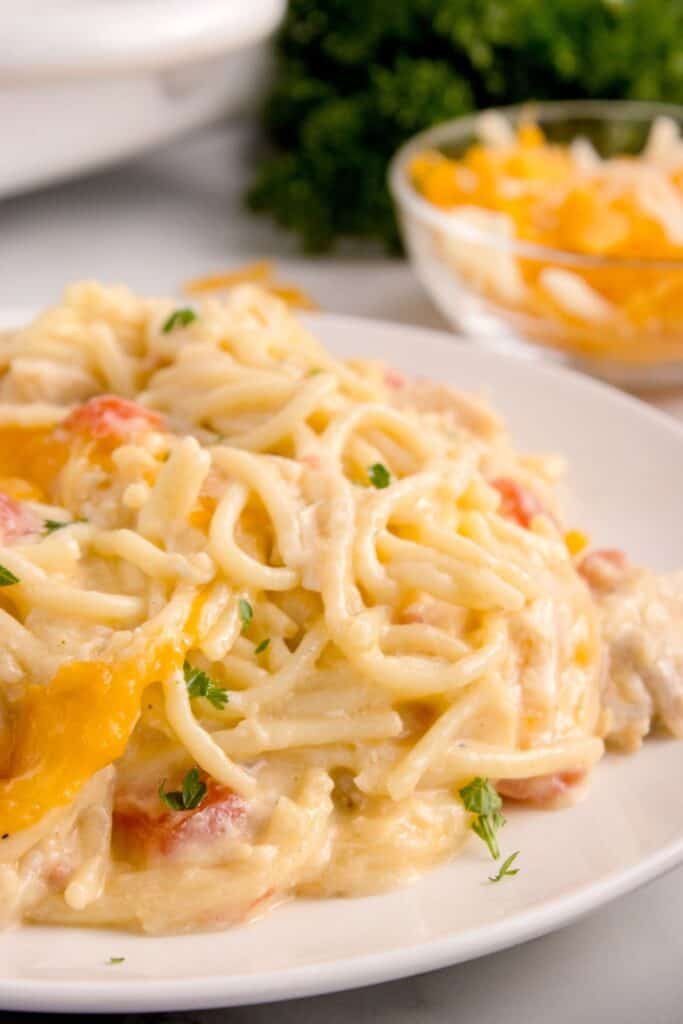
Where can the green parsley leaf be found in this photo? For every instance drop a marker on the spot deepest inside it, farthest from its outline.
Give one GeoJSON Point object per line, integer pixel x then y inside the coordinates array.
{"type": "Point", "coordinates": [115, 960]}
{"type": "Point", "coordinates": [7, 578]}
{"type": "Point", "coordinates": [480, 798]}
{"type": "Point", "coordinates": [379, 475]}
{"type": "Point", "coordinates": [50, 525]}
{"type": "Point", "coordinates": [201, 685]}
{"type": "Point", "coordinates": [262, 646]}
{"type": "Point", "coordinates": [246, 612]}
{"type": "Point", "coordinates": [194, 789]}
{"type": "Point", "coordinates": [189, 797]}
{"type": "Point", "coordinates": [180, 318]}
{"type": "Point", "coordinates": [173, 799]}
{"type": "Point", "coordinates": [505, 868]}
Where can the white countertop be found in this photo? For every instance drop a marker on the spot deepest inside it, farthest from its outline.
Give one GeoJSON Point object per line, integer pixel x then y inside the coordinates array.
{"type": "Point", "coordinates": [177, 214]}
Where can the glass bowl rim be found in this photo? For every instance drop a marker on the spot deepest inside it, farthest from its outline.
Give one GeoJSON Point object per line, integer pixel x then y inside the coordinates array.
{"type": "Point", "coordinates": [406, 196]}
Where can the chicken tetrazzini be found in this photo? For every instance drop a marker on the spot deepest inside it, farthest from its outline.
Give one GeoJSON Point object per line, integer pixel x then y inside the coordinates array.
{"type": "Point", "coordinates": [275, 624]}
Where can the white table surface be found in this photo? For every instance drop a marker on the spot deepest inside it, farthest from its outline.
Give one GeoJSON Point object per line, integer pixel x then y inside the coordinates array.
{"type": "Point", "coordinates": [176, 214]}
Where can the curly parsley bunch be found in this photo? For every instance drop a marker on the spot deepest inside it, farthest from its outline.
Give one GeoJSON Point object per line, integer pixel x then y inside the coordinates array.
{"type": "Point", "coordinates": [356, 79]}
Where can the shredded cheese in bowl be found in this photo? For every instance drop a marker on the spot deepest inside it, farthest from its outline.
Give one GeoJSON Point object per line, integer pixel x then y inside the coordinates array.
{"type": "Point", "coordinates": [566, 223]}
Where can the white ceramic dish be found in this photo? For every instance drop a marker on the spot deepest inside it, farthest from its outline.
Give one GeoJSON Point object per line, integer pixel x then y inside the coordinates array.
{"type": "Point", "coordinates": [84, 83]}
{"type": "Point", "coordinates": [623, 460]}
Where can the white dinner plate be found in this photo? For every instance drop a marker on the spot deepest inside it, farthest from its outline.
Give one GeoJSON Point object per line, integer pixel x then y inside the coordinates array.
{"type": "Point", "coordinates": [624, 464]}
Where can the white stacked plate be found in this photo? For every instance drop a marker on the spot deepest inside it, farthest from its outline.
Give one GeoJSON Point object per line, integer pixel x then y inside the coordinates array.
{"type": "Point", "coordinates": [84, 83]}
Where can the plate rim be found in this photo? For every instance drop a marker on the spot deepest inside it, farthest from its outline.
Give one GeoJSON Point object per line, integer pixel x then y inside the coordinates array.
{"type": "Point", "coordinates": [534, 360]}
{"type": "Point", "coordinates": [79, 40]}
{"type": "Point", "coordinates": [122, 996]}
{"type": "Point", "coordinates": [205, 992]}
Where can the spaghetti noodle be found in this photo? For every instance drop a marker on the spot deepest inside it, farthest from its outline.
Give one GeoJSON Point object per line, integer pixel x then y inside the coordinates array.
{"type": "Point", "coordinates": [263, 614]}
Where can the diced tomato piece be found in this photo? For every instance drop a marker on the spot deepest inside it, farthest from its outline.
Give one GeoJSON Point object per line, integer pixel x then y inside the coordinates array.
{"type": "Point", "coordinates": [59, 873]}
{"type": "Point", "coordinates": [395, 380]}
{"type": "Point", "coordinates": [542, 790]}
{"type": "Point", "coordinates": [108, 416]}
{"type": "Point", "coordinates": [603, 569]}
{"type": "Point", "coordinates": [16, 519]}
{"type": "Point", "coordinates": [261, 901]}
{"type": "Point", "coordinates": [603, 560]}
{"type": "Point", "coordinates": [148, 829]}
{"type": "Point", "coordinates": [517, 502]}
{"type": "Point", "coordinates": [613, 556]}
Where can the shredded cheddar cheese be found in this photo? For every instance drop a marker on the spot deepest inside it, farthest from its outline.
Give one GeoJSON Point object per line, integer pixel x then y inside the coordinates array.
{"type": "Point", "coordinates": [31, 457]}
{"type": "Point", "coordinates": [568, 199]}
{"type": "Point", "coordinates": [71, 729]}
{"type": "Point", "coordinates": [253, 273]}
{"type": "Point", "coordinates": [79, 723]}
{"type": "Point", "coordinates": [262, 272]}
{"type": "Point", "coordinates": [576, 542]}
{"type": "Point", "coordinates": [19, 489]}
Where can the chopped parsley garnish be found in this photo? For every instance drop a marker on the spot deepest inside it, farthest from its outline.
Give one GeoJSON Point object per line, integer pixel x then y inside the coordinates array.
{"type": "Point", "coordinates": [115, 960]}
{"type": "Point", "coordinates": [481, 799]}
{"type": "Point", "coordinates": [505, 868]}
{"type": "Point", "coordinates": [379, 475]}
{"type": "Point", "coordinates": [187, 798]}
{"type": "Point", "coordinates": [51, 525]}
{"type": "Point", "coordinates": [180, 318]}
{"type": "Point", "coordinates": [7, 578]}
{"type": "Point", "coordinates": [246, 612]}
{"type": "Point", "coordinates": [201, 685]}
{"type": "Point", "coordinates": [262, 646]}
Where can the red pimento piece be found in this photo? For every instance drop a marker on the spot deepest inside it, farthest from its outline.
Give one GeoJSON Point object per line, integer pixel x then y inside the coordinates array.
{"type": "Point", "coordinates": [148, 830]}
{"type": "Point", "coordinates": [603, 567]}
{"type": "Point", "coordinates": [517, 502]}
{"type": "Point", "coordinates": [16, 520]}
{"type": "Point", "coordinates": [108, 416]}
{"type": "Point", "coordinates": [395, 380]}
{"type": "Point", "coordinates": [542, 790]}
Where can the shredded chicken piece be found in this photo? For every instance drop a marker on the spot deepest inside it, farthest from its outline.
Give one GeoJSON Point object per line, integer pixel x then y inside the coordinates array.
{"type": "Point", "coordinates": [643, 630]}
{"type": "Point", "coordinates": [464, 410]}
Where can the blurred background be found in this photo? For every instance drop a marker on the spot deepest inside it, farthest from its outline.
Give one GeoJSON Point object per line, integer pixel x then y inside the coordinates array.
{"type": "Point", "coordinates": [158, 142]}
{"type": "Point", "coordinates": [155, 141]}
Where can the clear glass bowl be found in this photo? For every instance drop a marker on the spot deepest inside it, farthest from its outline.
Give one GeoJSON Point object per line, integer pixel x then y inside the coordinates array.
{"type": "Point", "coordinates": [482, 280]}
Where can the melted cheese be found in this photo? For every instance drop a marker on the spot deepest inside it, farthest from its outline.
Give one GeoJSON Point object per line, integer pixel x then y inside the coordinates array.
{"type": "Point", "coordinates": [81, 722]}
{"type": "Point", "coordinates": [72, 728]}
{"type": "Point", "coordinates": [32, 455]}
